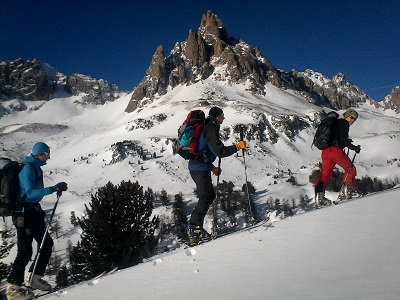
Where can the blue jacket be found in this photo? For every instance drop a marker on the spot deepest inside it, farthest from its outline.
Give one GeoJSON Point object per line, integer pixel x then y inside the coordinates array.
{"type": "Point", "coordinates": [31, 180]}
{"type": "Point", "coordinates": [210, 146]}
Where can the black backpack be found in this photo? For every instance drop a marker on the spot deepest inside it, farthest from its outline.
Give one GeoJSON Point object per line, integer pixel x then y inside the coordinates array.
{"type": "Point", "coordinates": [325, 130]}
{"type": "Point", "coordinates": [189, 134]}
{"type": "Point", "coordinates": [9, 186]}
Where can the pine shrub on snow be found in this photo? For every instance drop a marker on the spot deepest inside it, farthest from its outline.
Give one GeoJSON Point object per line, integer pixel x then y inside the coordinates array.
{"type": "Point", "coordinates": [117, 230]}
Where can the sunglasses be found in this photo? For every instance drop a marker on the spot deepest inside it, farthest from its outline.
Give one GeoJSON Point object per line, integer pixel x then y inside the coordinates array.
{"type": "Point", "coordinates": [47, 154]}
{"type": "Point", "coordinates": [353, 118]}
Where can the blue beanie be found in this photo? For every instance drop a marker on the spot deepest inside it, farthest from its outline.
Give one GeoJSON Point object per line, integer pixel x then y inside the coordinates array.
{"type": "Point", "coordinates": [40, 148]}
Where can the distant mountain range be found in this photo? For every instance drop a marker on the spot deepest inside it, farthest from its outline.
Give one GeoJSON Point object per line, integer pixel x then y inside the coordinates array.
{"type": "Point", "coordinates": [98, 133]}
{"type": "Point", "coordinates": [34, 80]}
{"type": "Point", "coordinates": [209, 53]}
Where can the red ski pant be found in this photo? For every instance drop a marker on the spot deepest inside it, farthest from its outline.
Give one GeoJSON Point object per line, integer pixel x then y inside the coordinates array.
{"type": "Point", "coordinates": [335, 156]}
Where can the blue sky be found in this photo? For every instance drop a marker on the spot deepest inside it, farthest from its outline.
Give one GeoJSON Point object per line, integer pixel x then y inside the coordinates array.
{"type": "Point", "coordinates": [115, 40]}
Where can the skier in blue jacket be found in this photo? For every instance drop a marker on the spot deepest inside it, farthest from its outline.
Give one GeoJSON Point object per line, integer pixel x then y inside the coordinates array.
{"type": "Point", "coordinates": [210, 147]}
{"type": "Point", "coordinates": [30, 224]}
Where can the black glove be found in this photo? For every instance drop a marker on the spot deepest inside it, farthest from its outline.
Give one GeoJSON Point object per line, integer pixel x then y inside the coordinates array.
{"type": "Point", "coordinates": [357, 149]}
{"type": "Point", "coordinates": [59, 187]}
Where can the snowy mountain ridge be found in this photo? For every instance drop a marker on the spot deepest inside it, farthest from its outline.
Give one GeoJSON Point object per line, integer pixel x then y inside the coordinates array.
{"type": "Point", "coordinates": [92, 144]}
{"type": "Point", "coordinates": [212, 53]}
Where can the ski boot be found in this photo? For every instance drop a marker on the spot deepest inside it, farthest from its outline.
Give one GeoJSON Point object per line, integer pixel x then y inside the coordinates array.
{"type": "Point", "coordinates": [320, 200]}
{"type": "Point", "coordinates": [197, 235]}
{"type": "Point", "coordinates": [16, 292]}
{"type": "Point", "coordinates": [346, 193]}
{"type": "Point", "coordinates": [37, 282]}
{"type": "Point", "coordinates": [317, 198]}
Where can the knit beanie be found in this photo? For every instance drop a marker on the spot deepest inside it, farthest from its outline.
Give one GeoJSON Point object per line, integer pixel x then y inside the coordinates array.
{"type": "Point", "coordinates": [215, 112]}
{"type": "Point", "coordinates": [40, 148]}
{"type": "Point", "coordinates": [350, 112]}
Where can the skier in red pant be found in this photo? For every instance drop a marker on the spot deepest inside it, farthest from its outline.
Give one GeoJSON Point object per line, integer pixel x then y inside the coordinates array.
{"type": "Point", "coordinates": [335, 155]}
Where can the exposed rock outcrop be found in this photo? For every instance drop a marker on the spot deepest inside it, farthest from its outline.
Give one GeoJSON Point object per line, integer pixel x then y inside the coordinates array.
{"type": "Point", "coordinates": [197, 58]}
{"type": "Point", "coordinates": [336, 92]}
{"type": "Point", "coordinates": [392, 101]}
{"type": "Point", "coordinates": [96, 91]}
{"type": "Point", "coordinates": [34, 80]}
{"type": "Point", "coordinates": [212, 53]}
{"type": "Point", "coordinates": [26, 80]}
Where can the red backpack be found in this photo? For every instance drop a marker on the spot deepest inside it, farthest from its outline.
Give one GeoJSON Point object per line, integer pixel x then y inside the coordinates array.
{"type": "Point", "coordinates": [189, 134]}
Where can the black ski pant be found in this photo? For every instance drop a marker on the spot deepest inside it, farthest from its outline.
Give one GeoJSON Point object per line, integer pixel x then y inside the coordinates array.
{"type": "Point", "coordinates": [34, 229]}
{"type": "Point", "coordinates": [205, 193]}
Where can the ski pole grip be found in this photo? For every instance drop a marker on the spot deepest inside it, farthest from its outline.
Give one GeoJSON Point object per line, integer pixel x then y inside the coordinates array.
{"type": "Point", "coordinates": [241, 137]}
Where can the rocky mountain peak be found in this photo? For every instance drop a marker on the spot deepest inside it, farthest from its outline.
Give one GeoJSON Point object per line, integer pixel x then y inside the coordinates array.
{"type": "Point", "coordinates": [198, 58]}
{"type": "Point", "coordinates": [33, 80]}
{"type": "Point", "coordinates": [96, 91]}
{"type": "Point", "coordinates": [392, 101]}
{"type": "Point", "coordinates": [335, 93]}
{"type": "Point", "coordinates": [210, 53]}
{"type": "Point", "coordinates": [25, 79]}
{"type": "Point", "coordinates": [212, 29]}
{"type": "Point", "coordinates": [339, 78]}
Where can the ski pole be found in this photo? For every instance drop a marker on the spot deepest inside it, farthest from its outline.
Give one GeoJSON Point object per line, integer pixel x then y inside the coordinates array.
{"type": "Point", "coordinates": [219, 172]}
{"type": "Point", "coordinates": [245, 173]}
{"type": "Point", "coordinates": [345, 178]}
{"type": "Point", "coordinates": [215, 204]}
{"type": "Point", "coordinates": [44, 236]}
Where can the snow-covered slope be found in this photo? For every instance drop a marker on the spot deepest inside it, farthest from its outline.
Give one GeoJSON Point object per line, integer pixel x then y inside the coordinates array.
{"type": "Point", "coordinates": [82, 138]}
{"type": "Point", "coordinates": [348, 251]}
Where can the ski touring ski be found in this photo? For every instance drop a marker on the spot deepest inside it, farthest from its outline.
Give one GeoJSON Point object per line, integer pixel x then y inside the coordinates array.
{"type": "Point", "coordinates": [97, 278]}
{"type": "Point", "coordinates": [60, 291]}
{"type": "Point", "coordinates": [255, 224]}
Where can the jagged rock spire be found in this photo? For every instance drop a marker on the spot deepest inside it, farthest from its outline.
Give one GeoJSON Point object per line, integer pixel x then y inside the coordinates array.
{"type": "Point", "coordinates": [212, 29]}
{"type": "Point", "coordinates": [212, 53]}
{"type": "Point", "coordinates": [155, 80]}
{"type": "Point", "coordinates": [192, 59]}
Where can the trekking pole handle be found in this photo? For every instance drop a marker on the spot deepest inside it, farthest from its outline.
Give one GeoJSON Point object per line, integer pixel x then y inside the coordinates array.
{"type": "Point", "coordinates": [241, 134]}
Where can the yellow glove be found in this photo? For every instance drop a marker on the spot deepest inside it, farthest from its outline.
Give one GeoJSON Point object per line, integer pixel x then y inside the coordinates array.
{"type": "Point", "coordinates": [216, 171]}
{"type": "Point", "coordinates": [240, 145]}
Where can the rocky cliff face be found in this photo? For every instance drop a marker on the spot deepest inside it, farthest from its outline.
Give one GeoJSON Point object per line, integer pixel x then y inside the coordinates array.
{"type": "Point", "coordinates": [26, 80]}
{"type": "Point", "coordinates": [33, 80]}
{"type": "Point", "coordinates": [199, 57]}
{"type": "Point", "coordinates": [336, 92]}
{"type": "Point", "coordinates": [212, 53]}
{"type": "Point", "coordinates": [392, 101]}
{"type": "Point", "coordinates": [95, 91]}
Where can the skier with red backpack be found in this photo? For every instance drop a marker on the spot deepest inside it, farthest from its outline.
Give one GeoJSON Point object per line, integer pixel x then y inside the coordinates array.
{"type": "Point", "coordinates": [209, 148]}
{"type": "Point", "coordinates": [333, 154]}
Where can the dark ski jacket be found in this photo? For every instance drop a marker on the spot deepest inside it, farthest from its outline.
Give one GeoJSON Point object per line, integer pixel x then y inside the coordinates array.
{"type": "Point", "coordinates": [210, 147]}
{"type": "Point", "coordinates": [340, 137]}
